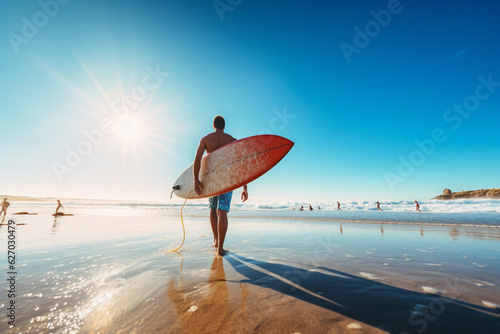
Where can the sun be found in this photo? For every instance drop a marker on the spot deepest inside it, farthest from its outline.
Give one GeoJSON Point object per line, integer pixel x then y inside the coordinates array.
{"type": "Point", "coordinates": [134, 128]}
{"type": "Point", "coordinates": [140, 134]}
{"type": "Point", "coordinates": [128, 129]}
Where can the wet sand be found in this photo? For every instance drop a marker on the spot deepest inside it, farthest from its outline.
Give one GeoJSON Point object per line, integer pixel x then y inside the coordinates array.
{"type": "Point", "coordinates": [110, 273]}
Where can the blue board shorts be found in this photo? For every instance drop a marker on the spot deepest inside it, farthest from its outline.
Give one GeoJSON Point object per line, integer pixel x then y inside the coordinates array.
{"type": "Point", "coordinates": [221, 202]}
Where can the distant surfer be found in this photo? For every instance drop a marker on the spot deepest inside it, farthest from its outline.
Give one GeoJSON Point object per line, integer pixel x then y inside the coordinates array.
{"type": "Point", "coordinates": [310, 207]}
{"type": "Point", "coordinates": [378, 207]}
{"type": "Point", "coordinates": [417, 206]}
{"type": "Point", "coordinates": [338, 207]}
{"type": "Point", "coordinates": [301, 208]}
{"type": "Point", "coordinates": [59, 206]}
{"type": "Point", "coordinates": [5, 205]}
{"type": "Point", "coordinates": [219, 205]}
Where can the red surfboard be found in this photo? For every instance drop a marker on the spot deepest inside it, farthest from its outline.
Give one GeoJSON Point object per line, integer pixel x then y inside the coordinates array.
{"type": "Point", "coordinates": [233, 165]}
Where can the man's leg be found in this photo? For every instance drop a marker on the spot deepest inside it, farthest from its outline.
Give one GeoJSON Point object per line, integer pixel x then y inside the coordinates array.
{"type": "Point", "coordinates": [222, 210]}
{"type": "Point", "coordinates": [214, 203]}
{"type": "Point", "coordinates": [213, 222]}
{"type": "Point", "coordinates": [222, 229]}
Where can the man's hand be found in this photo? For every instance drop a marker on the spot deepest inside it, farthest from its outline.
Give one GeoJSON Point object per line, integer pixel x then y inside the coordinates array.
{"type": "Point", "coordinates": [244, 194]}
{"type": "Point", "coordinates": [198, 187]}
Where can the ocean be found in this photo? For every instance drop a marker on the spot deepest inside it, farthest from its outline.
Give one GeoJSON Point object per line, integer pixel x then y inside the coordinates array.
{"type": "Point", "coordinates": [469, 212]}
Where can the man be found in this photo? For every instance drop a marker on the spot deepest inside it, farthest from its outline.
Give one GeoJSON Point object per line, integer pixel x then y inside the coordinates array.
{"type": "Point", "coordinates": [417, 206]}
{"type": "Point", "coordinates": [5, 205]}
{"type": "Point", "coordinates": [219, 205]}
{"type": "Point", "coordinates": [378, 207]}
{"type": "Point", "coordinates": [59, 206]}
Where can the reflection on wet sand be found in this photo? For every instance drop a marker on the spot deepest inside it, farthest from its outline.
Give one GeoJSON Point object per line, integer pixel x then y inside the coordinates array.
{"type": "Point", "coordinates": [478, 234]}
{"type": "Point", "coordinates": [484, 233]}
{"type": "Point", "coordinates": [54, 226]}
{"type": "Point", "coordinates": [212, 312]}
{"type": "Point", "coordinates": [454, 233]}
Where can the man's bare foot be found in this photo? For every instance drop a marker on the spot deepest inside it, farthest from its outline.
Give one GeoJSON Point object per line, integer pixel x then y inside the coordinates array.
{"type": "Point", "coordinates": [221, 252]}
{"type": "Point", "coordinates": [215, 244]}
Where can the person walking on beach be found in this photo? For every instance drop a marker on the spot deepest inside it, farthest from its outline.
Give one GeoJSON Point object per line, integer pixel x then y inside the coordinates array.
{"type": "Point", "coordinates": [378, 207]}
{"type": "Point", "coordinates": [417, 206]}
{"type": "Point", "coordinates": [5, 205]}
{"type": "Point", "coordinates": [338, 207]}
{"type": "Point", "coordinates": [219, 205]}
{"type": "Point", "coordinates": [59, 206]}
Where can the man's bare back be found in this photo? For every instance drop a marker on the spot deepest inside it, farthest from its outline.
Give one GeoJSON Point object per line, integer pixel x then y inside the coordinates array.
{"type": "Point", "coordinates": [217, 139]}
{"type": "Point", "coordinates": [209, 143]}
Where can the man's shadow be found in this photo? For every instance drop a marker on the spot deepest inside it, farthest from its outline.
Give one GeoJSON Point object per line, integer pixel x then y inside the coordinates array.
{"type": "Point", "coordinates": [377, 304]}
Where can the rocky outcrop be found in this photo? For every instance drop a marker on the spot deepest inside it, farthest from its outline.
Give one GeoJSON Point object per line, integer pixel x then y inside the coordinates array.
{"type": "Point", "coordinates": [481, 193]}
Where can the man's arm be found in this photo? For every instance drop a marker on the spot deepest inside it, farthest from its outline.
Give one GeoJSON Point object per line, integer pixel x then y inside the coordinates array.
{"type": "Point", "coordinates": [196, 167]}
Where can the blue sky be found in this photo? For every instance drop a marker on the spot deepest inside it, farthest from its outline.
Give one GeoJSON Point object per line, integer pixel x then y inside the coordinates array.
{"type": "Point", "coordinates": [355, 116]}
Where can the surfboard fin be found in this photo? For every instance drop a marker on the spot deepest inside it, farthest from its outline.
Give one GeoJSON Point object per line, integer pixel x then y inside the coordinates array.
{"type": "Point", "coordinates": [174, 188]}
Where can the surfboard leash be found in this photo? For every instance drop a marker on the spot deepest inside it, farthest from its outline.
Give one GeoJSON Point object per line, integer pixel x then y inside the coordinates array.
{"type": "Point", "coordinates": [183, 231]}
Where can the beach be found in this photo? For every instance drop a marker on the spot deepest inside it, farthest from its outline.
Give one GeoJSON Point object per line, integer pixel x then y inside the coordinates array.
{"type": "Point", "coordinates": [349, 151]}
{"type": "Point", "coordinates": [108, 270]}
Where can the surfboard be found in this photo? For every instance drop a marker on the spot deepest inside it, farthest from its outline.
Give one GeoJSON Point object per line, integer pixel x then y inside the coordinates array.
{"type": "Point", "coordinates": [233, 165]}
{"type": "Point", "coordinates": [62, 214]}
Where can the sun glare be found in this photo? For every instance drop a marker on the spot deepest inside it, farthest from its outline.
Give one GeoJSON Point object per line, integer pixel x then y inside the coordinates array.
{"type": "Point", "coordinates": [128, 129]}
{"type": "Point", "coordinates": [134, 134]}
{"type": "Point", "coordinates": [139, 135]}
